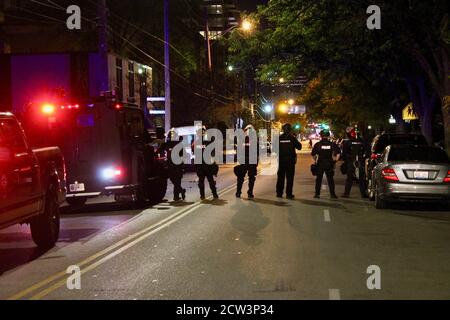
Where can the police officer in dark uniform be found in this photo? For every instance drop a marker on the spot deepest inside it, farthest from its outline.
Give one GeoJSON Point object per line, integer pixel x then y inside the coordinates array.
{"type": "Point", "coordinates": [175, 171]}
{"type": "Point", "coordinates": [325, 153]}
{"type": "Point", "coordinates": [248, 168]}
{"type": "Point", "coordinates": [287, 161]}
{"type": "Point", "coordinates": [204, 170]}
{"type": "Point", "coordinates": [354, 154]}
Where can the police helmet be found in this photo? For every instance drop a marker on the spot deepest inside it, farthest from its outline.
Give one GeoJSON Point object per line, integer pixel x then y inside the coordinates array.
{"type": "Point", "coordinates": [351, 132]}
{"type": "Point", "coordinates": [287, 128]}
{"type": "Point", "coordinates": [249, 128]}
{"type": "Point", "coordinates": [325, 134]}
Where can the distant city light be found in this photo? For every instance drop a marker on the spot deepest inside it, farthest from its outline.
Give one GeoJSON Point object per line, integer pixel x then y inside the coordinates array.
{"type": "Point", "coordinates": [392, 120]}
{"type": "Point", "coordinates": [268, 108]}
{"type": "Point", "coordinates": [283, 108]}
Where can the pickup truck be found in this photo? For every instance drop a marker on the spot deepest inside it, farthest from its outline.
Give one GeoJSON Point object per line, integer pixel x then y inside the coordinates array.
{"type": "Point", "coordinates": [32, 183]}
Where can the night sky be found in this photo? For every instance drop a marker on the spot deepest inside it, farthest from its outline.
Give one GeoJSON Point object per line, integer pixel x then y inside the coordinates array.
{"type": "Point", "coordinates": [250, 5]}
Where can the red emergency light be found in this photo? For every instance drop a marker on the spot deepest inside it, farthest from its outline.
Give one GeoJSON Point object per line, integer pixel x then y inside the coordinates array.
{"type": "Point", "coordinates": [48, 109]}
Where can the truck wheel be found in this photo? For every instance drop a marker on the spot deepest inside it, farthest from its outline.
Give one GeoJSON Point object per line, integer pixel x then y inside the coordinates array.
{"type": "Point", "coordinates": [76, 201]}
{"type": "Point", "coordinates": [158, 190]}
{"type": "Point", "coordinates": [45, 227]}
{"type": "Point", "coordinates": [379, 203]}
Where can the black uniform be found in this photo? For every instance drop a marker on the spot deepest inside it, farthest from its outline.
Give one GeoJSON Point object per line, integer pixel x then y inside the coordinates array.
{"type": "Point", "coordinates": [325, 150]}
{"type": "Point", "coordinates": [205, 171]}
{"type": "Point", "coordinates": [287, 161]}
{"type": "Point", "coordinates": [247, 168]}
{"type": "Point", "coordinates": [175, 171]}
{"type": "Point", "coordinates": [354, 154]}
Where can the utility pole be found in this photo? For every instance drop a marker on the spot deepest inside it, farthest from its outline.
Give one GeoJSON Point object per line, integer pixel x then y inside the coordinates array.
{"type": "Point", "coordinates": [168, 106]}
{"type": "Point", "coordinates": [103, 46]}
{"type": "Point", "coordinates": [210, 63]}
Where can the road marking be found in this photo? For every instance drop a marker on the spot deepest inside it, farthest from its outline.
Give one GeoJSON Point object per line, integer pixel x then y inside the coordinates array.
{"type": "Point", "coordinates": [327, 215]}
{"type": "Point", "coordinates": [119, 247]}
{"type": "Point", "coordinates": [335, 294]}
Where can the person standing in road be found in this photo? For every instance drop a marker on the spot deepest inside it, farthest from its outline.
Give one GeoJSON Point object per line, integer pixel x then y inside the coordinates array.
{"type": "Point", "coordinates": [287, 161]}
{"type": "Point", "coordinates": [248, 168]}
{"type": "Point", "coordinates": [325, 154]}
{"type": "Point", "coordinates": [204, 169]}
{"type": "Point", "coordinates": [175, 171]}
{"type": "Point", "coordinates": [354, 154]}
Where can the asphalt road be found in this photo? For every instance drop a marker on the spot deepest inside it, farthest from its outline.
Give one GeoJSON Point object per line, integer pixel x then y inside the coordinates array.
{"type": "Point", "coordinates": [231, 248]}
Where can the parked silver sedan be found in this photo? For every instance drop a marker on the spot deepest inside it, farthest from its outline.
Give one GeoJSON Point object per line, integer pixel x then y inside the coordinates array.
{"type": "Point", "coordinates": [411, 173]}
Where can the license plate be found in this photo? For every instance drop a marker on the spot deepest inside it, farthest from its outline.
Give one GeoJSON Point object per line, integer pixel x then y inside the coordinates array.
{"type": "Point", "coordinates": [421, 175]}
{"type": "Point", "coordinates": [77, 187]}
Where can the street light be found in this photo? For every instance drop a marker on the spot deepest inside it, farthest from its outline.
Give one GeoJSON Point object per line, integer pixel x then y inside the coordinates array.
{"type": "Point", "coordinates": [283, 108]}
{"type": "Point", "coordinates": [291, 102]}
{"type": "Point", "coordinates": [282, 80]}
{"type": "Point", "coordinates": [247, 25]}
{"type": "Point", "coordinates": [392, 120]}
{"type": "Point", "coordinates": [230, 68]}
{"type": "Point", "coordinates": [268, 108]}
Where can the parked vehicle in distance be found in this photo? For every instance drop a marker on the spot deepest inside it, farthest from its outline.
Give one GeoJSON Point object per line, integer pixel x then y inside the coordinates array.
{"type": "Point", "coordinates": [384, 140]}
{"type": "Point", "coordinates": [411, 173]}
{"type": "Point", "coordinates": [32, 183]}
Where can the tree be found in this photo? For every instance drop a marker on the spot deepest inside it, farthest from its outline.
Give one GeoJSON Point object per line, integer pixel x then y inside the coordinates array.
{"type": "Point", "coordinates": [407, 57]}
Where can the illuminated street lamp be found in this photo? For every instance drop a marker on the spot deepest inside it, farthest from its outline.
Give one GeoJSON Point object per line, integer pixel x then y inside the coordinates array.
{"type": "Point", "coordinates": [268, 108]}
{"type": "Point", "coordinates": [283, 108]}
{"type": "Point", "coordinates": [282, 80]}
{"type": "Point", "coordinates": [230, 68]}
{"type": "Point", "coordinates": [291, 102]}
{"type": "Point", "coordinates": [247, 25]}
{"type": "Point", "coordinates": [392, 120]}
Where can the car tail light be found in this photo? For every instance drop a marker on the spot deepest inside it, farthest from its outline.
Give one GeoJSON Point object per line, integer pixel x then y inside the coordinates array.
{"type": "Point", "coordinates": [118, 106]}
{"type": "Point", "coordinates": [389, 174]}
{"type": "Point", "coordinates": [374, 156]}
{"type": "Point", "coordinates": [447, 178]}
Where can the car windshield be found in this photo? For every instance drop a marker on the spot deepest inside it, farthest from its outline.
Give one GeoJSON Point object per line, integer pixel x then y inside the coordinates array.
{"type": "Point", "coordinates": [421, 154]}
{"type": "Point", "coordinates": [389, 140]}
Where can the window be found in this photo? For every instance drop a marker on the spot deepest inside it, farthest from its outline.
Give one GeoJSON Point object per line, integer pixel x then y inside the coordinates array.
{"type": "Point", "coordinates": [421, 154]}
{"type": "Point", "coordinates": [133, 128]}
{"type": "Point", "coordinates": [11, 136]}
{"type": "Point", "coordinates": [131, 87]}
{"type": "Point", "coordinates": [406, 139]}
{"type": "Point", "coordinates": [119, 77]}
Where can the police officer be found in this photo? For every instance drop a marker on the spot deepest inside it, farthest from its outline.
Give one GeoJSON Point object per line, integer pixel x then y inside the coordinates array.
{"type": "Point", "coordinates": [287, 161]}
{"type": "Point", "coordinates": [175, 170]}
{"type": "Point", "coordinates": [250, 165]}
{"type": "Point", "coordinates": [325, 154]}
{"type": "Point", "coordinates": [354, 154]}
{"type": "Point", "coordinates": [204, 170]}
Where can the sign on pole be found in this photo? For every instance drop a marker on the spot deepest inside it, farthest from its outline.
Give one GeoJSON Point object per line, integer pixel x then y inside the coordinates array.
{"type": "Point", "coordinates": [409, 114]}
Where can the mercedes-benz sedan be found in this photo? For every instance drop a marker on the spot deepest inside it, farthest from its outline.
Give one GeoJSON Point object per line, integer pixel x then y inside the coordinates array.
{"type": "Point", "coordinates": [411, 173]}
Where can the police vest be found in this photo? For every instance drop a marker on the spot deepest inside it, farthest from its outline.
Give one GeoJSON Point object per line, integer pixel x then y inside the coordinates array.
{"type": "Point", "coordinates": [325, 151]}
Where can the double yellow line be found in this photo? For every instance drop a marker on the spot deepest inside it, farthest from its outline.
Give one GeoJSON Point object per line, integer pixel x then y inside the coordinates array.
{"type": "Point", "coordinates": [56, 281]}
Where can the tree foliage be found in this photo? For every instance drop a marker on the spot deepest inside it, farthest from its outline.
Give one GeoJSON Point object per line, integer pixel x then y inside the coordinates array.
{"type": "Point", "coordinates": [356, 68]}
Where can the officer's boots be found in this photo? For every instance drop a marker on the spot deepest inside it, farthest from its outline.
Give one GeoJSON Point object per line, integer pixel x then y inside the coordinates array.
{"type": "Point", "coordinates": [202, 194]}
